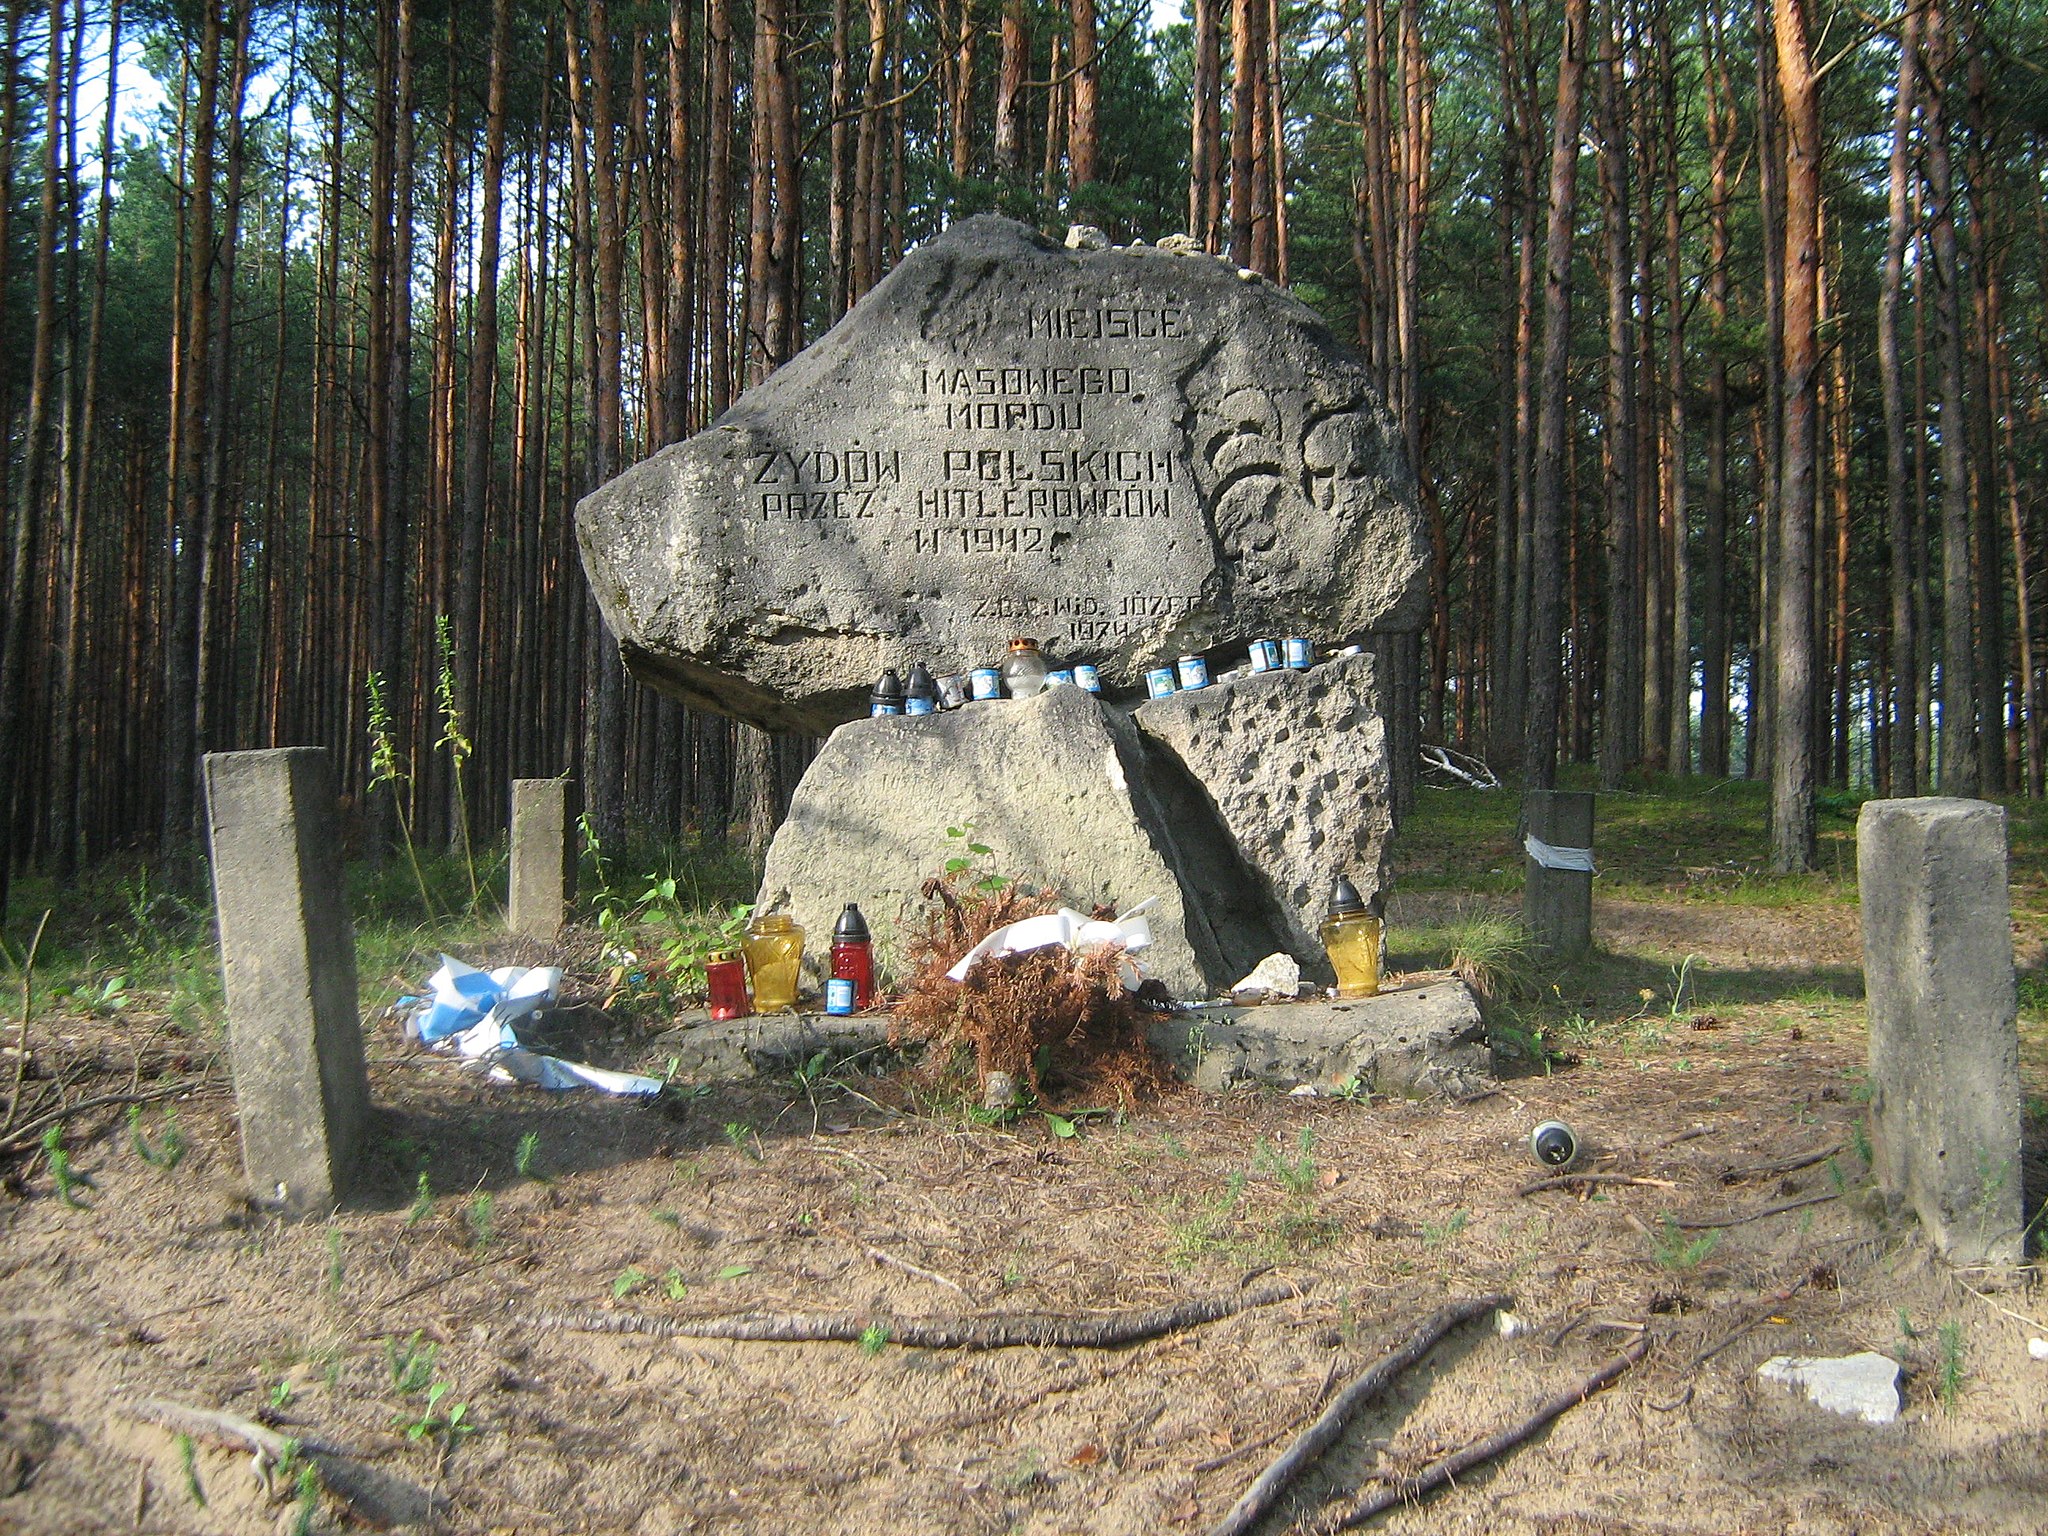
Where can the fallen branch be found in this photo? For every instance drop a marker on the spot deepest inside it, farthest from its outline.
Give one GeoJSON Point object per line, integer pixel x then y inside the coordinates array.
{"type": "Point", "coordinates": [376, 1496]}
{"type": "Point", "coordinates": [28, 971]}
{"type": "Point", "coordinates": [1703, 1224]}
{"type": "Point", "coordinates": [1784, 1165]}
{"type": "Point", "coordinates": [1013, 1330]}
{"type": "Point", "coordinates": [881, 1256]}
{"type": "Point", "coordinates": [1267, 1488]}
{"type": "Point", "coordinates": [1566, 1180]}
{"type": "Point", "coordinates": [32, 1133]}
{"type": "Point", "coordinates": [1407, 1490]}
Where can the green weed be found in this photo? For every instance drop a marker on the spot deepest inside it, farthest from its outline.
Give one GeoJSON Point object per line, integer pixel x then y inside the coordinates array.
{"type": "Point", "coordinates": [411, 1363]}
{"type": "Point", "coordinates": [1435, 1234]}
{"type": "Point", "coordinates": [739, 1135]}
{"type": "Point", "coordinates": [307, 1503]}
{"type": "Point", "coordinates": [168, 1151]}
{"type": "Point", "coordinates": [627, 1281]}
{"type": "Point", "coordinates": [522, 1159]}
{"type": "Point", "coordinates": [451, 1425]}
{"type": "Point", "coordinates": [334, 1264]}
{"type": "Point", "coordinates": [1859, 1140]}
{"type": "Point", "coordinates": [188, 1464]}
{"type": "Point", "coordinates": [61, 1174]}
{"type": "Point", "coordinates": [1201, 1232]}
{"type": "Point", "coordinates": [422, 1201]}
{"type": "Point", "coordinates": [1680, 1253]}
{"type": "Point", "coordinates": [1297, 1175]}
{"type": "Point", "coordinates": [1949, 1363]}
{"type": "Point", "coordinates": [873, 1339]}
{"type": "Point", "coordinates": [673, 1286]}
{"type": "Point", "coordinates": [477, 1217]}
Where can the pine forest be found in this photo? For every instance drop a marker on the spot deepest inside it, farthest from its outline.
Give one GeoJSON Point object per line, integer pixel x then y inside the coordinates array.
{"type": "Point", "coordinates": [1717, 336]}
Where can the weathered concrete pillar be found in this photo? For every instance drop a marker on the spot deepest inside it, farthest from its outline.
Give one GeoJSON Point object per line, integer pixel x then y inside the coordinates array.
{"type": "Point", "coordinates": [1944, 1036]}
{"type": "Point", "coordinates": [288, 959]}
{"type": "Point", "coordinates": [543, 875]}
{"type": "Point", "coordinates": [1557, 904]}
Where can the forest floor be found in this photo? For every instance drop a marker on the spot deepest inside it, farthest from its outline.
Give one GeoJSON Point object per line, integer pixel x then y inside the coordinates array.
{"type": "Point", "coordinates": [1718, 1032]}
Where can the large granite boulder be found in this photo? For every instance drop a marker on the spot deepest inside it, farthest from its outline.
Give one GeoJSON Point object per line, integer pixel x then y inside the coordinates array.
{"type": "Point", "coordinates": [1296, 766]}
{"type": "Point", "coordinates": [1127, 454]}
{"type": "Point", "coordinates": [1059, 789]}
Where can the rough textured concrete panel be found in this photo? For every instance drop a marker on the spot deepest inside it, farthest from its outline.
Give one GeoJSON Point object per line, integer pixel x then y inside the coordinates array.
{"type": "Point", "coordinates": [1426, 1037]}
{"type": "Point", "coordinates": [1295, 764]}
{"type": "Point", "coordinates": [1057, 787]}
{"type": "Point", "coordinates": [1557, 904]}
{"type": "Point", "coordinates": [288, 960]}
{"type": "Point", "coordinates": [1944, 1037]}
{"type": "Point", "coordinates": [543, 859]}
{"type": "Point", "coordinates": [1124, 453]}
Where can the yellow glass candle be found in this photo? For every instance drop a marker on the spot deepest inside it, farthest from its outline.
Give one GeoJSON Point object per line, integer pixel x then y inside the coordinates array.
{"type": "Point", "coordinates": [1351, 937]}
{"type": "Point", "coordinates": [774, 947]}
{"type": "Point", "coordinates": [1353, 944]}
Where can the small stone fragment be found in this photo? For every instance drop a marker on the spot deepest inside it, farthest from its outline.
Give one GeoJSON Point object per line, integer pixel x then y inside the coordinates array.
{"type": "Point", "coordinates": [1180, 244]}
{"type": "Point", "coordinates": [1000, 1091]}
{"type": "Point", "coordinates": [1278, 975]}
{"type": "Point", "coordinates": [2038, 1348]}
{"type": "Point", "coordinates": [1507, 1325]}
{"type": "Point", "coordinates": [1863, 1386]}
{"type": "Point", "coordinates": [1086, 237]}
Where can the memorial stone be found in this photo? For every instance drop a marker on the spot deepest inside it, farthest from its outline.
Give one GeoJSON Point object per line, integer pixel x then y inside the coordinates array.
{"type": "Point", "coordinates": [1127, 454]}
{"type": "Point", "coordinates": [1944, 1031]}
{"type": "Point", "coordinates": [542, 878]}
{"type": "Point", "coordinates": [302, 1092]}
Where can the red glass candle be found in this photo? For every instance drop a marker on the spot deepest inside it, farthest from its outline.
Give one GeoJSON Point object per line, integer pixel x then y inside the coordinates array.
{"type": "Point", "coordinates": [853, 955]}
{"type": "Point", "coordinates": [725, 977]}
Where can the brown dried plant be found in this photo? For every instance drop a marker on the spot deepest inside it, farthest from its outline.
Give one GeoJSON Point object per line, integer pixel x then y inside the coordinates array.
{"type": "Point", "coordinates": [1069, 1012]}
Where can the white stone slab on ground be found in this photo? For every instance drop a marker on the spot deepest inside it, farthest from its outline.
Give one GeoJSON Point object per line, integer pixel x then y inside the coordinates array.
{"type": "Point", "coordinates": [1863, 1386]}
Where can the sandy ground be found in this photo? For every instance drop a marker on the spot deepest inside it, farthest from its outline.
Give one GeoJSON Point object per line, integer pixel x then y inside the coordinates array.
{"type": "Point", "coordinates": [765, 1198]}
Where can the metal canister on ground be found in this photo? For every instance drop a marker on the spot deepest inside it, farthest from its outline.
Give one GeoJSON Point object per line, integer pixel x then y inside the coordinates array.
{"type": "Point", "coordinates": [1159, 683]}
{"type": "Point", "coordinates": [1087, 678]}
{"type": "Point", "coordinates": [839, 995]}
{"type": "Point", "coordinates": [1194, 673]}
{"type": "Point", "coordinates": [952, 691]}
{"type": "Point", "coordinates": [1059, 675]}
{"type": "Point", "coordinates": [1301, 653]}
{"type": "Point", "coordinates": [986, 682]}
{"type": "Point", "coordinates": [1265, 656]}
{"type": "Point", "coordinates": [1553, 1144]}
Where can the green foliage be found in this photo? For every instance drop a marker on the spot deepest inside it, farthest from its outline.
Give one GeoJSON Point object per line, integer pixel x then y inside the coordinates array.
{"type": "Point", "coordinates": [168, 1151]}
{"type": "Point", "coordinates": [873, 1339]}
{"type": "Point", "coordinates": [1949, 1363]}
{"type": "Point", "coordinates": [1439, 1234]}
{"type": "Point", "coordinates": [411, 1363]}
{"type": "Point", "coordinates": [68, 1183]}
{"type": "Point", "coordinates": [335, 1269]}
{"type": "Point", "coordinates": [1297, 1175]}
{"type": "Point", "coordinates": [478, 1217]}
{"type": "Point", "coordinates": [627, 1281]}
{"type": "Point", "coordinates": [1680, 1253]}
{"type": "Point", "coordinates": [522, 1159]}
{"type": "Point", "coordinates": [739, 1135]}
{"type": "Point", "coordinates": [389, 766]}
{"type": "Point", "coordinates": [422, 1201]}
{"type": "Point", "coordinates": [454, 742]}
{"type": "Point", "coordinates": [188, 1465]}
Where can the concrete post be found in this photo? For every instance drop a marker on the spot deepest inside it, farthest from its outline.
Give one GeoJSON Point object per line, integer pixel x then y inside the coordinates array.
{"type": "Point", "coordinates": [288, 959]}
{"type": "Point", "coordinates": [543, 874]}
{"type": "Point", "coordinates": [1557, 904]}
{"type": "Point", "coordinates": [1944, 1034]}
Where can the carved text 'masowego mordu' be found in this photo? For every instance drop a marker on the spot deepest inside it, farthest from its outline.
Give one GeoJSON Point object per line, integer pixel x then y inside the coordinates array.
{"type": "Point", "coordinates": [1126, 454]}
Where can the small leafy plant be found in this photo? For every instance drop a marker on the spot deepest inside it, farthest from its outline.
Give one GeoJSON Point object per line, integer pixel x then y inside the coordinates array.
{"type": "Point", "coordinates": [522, 1159]}
{"type": "Point", "coordinates": [1679, 1253]}
{"type": "Point", "coordinates": [1297, 1175]}
{"type": "Point", "coordinates": [450, 1425]}
{"type": "Point", "coordinates": [1949, 1363]}
{"type": "Point", "coordinates": [477, 1216]}
{"type": "Point", "coordinates": [1435, 1234]}
{"type": "Point", "coordinates": [412, 1364]}
{"type": "Point", "coordinates": [873, 1339]}
{"type": "Point", "coordinates": [422, 1201]}
{"type": "Point", "coordinates": [169, 1149]}
{"type": "Point", "coordinates": [61, 1174]}
{"type": "Point", "coordinates": [627, 1281]}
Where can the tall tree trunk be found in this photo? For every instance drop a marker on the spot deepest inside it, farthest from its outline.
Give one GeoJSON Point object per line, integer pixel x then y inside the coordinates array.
{"type": "Point", "coordinates": [1012, 68]}
{"type": "Point", "coordinates": [1087, 83]}
{"type": "Point", "coordinates": [1959, 712]}
{"type": "Point", "coordinates": [1621, 694]}
{"type": "Point", "coordinates": [1714, 628]}
{"type": "Point", "coordinates": [1205, 160]}
{"type": "Point", "coordinates": [1904, 564]}
{"type": "Point", "coordinates": [1792, 768]}
{"type": "Point", "coordinates": [1539, 741]}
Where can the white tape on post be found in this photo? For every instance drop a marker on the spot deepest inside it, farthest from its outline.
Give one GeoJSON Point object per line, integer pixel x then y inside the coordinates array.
{"type": "Point", "coordinates": [1580, 859]}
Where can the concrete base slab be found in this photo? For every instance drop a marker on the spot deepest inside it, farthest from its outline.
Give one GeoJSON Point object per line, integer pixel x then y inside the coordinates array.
{"type": "Point", "coordinates": [1423, 1038]}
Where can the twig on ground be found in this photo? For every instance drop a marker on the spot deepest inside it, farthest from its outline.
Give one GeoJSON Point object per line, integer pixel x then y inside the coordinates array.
{"type": "Point", "coordinates": [1692, 1135]}
{"type": "Point", "coordinates": [1783, 1165]}
{"type": "Point", "coordinates": [31, 1133]}
{"type": "Point", "coordinates": [1566, 1180]}
{"type": "Point", "coordinates": [28, 971]}
{"type": "Point", "coordinates": [1243, 1450]}
{"type": "Point", "coordinates": [1764, 1309]}
{"type": "Point", "coordinates": [1408, 1490]}
{"type": "Point", "coordinates": [378, 1497]}
{"type": "Point", "coordinates": [880, 1256]}
{"type": "Point", "coordinates": [1109, 1330]}
{"type": "Point", "coordinates": [2018, 1317]}
{"type": "Point", "coordinates": [1267, 1488]}
{"type": "Point", "coordinates": [1705, 1223]}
